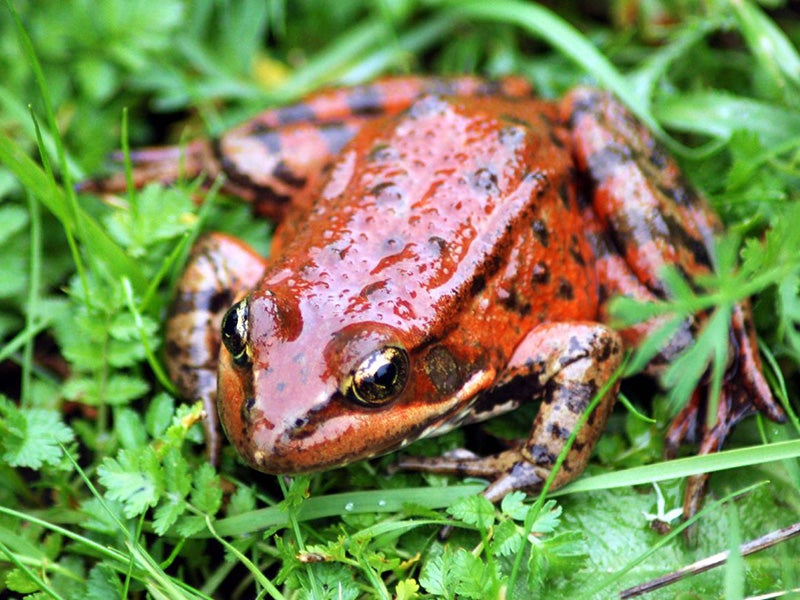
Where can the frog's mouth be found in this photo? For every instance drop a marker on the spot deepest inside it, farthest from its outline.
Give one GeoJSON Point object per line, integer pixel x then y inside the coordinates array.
{"type": "Point", "coordinates": [337, 433]}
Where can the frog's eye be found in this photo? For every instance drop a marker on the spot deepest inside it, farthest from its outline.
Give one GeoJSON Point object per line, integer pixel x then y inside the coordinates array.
{"type": "Point", "coordinates": [234, 332]}
{"type": "Point", "coordinates": [379, 378]}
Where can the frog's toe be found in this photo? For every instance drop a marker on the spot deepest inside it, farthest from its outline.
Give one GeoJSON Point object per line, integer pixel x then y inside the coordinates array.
{"type": "Point", "coordinates": [690, 427]}
{"type": "Point", "coordinates": [522, 476]}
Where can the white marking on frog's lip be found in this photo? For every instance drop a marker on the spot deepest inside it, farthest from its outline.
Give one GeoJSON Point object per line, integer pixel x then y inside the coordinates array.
{"type": "Point", "coordinates": [259, 457]}
{"type": "Point", "coordinates": [494, 411]}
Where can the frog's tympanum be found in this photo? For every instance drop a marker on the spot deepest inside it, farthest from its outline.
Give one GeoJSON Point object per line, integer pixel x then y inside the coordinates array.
{"type": "Point", "coordinates": [446, 250]}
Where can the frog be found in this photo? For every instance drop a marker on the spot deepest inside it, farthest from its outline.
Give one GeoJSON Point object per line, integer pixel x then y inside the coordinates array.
{"type": "Point", "coordinates": [446, 250]}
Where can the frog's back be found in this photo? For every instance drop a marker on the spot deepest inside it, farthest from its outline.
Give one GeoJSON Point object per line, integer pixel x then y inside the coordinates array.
{"type": "Point", "coordinates": [452, 204]}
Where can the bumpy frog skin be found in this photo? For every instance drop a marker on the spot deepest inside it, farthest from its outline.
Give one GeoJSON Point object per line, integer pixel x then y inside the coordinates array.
{"type": "Point", "coordinates": [446, 250]}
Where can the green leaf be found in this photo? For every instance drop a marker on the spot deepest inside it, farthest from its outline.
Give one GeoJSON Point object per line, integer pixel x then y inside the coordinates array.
{"type": "Point", "coordinates": [474, 510]}
{"type": "Point", "coordinates": [507, 539]}
{"type": "Point", "coordinates": [546, 520]}
{"type": "Point", "coordinates": [206, 490]}
{"type": "Point", "coordinates": [19, 581]}
{"type": "Point", "coordinates": [159, 414]}
{"type": "Point", "coordinates": [167, 512]}
{"type": "Point", "coordinates": [242, 501]}
{"type": "Point", "coordinates": [433, 578]}
{"type": "Point", "coordinates": [129, 428]}
{"type": "Point", "coordinates": [406, 589]}
{"type": "Point", "coordinates": [513, 505]}
{"type": "Point", "coordinates": [121, 389]}
{"type": "Point", "coordinates": [473, 577]}
{"type": "Point", "coordinates": [32, 437]}
{"type": "Point", "coordinates": [103, 583]}
{"type": "Point", "coordinates": [134, 478]}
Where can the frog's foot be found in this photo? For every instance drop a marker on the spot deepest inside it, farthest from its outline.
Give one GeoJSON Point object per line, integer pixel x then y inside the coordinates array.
{"type": "Point", "coordinates": [744, 393]}
{"type": "Point", "coordinates": [513, 469]}
{"type": "Point", "coordinates": [566, 365]}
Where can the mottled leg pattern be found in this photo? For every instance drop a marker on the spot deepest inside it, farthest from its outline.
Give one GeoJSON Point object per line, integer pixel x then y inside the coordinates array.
{"type": "Point", "coordinates": [219, 269]}
{"type": "Point", "coordinates": [564, 365]}
{"type": "Point", "coordinates": [646, 217]}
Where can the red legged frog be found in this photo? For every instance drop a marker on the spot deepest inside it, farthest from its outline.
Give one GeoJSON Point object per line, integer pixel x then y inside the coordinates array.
{"type": "Point", "coordinates": [446, 250]}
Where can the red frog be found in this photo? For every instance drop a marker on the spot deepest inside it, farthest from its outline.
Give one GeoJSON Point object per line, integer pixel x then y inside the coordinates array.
{"type": "Point", "coordinates": [446, 250]}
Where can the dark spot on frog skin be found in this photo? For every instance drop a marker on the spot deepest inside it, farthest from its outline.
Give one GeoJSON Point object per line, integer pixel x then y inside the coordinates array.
{"type": "Point", "coordinates": [579, 395]}
{"type": "Point", "coordinates": [295, 113]}
{"type": "Point", "coordinates": [541, 232]}
{"type": "Point", "coordinates": [517, 303]}
{"type": "Point", "coordinates": [484, 180]}
{"type": "Point", "coordinates": [680, 193]}
{"type": "Point", "coordinates": [585, 103]}
{"type": "Point", "coordinates": [220, 300]}
{"type": "Point", "coordinates": [575, 250]}
{"type": "Point", "coordinates": [540, 274]}
{"type": "Point", "coordinates": [443, 371]}
{"type": "Point", "coordinates": [541, 455]}
{"type": "Point", "coordinates": [269, 139]}
{"type": "Point", "coordinates": [519, 388]}
{"type": "Point", "coordinates": [583, 194]}
{"type": "Point", "coordinates": [603, 163]}
{"type": "Point", "coordinates": [558, 433]}
{"type": "Point", "coordinates": [608, 348]}
{"type": "Point", "coordinates": [336, 135]}
{"type": "Point", "coordinates": [427, 106]}
{"type": "Point", "coordinates": [262, 194]}
{"type": "Point", "coordinates": [388, 193]}
{"type": "Point", "coordinates": [658, 156]}
{"type": "Point", "coordinates": [512, 137]}
{"type": "Point", "coordinates": [188, 302]}
{"type": "Point", "coordinates": [477, 285]}
{"type": "Point", "coordinates": [365, 100]}
{"type": "Point", "coordinates": [283, 173]}
{"type": "Point", "coordinates": [565, 291]}
{"type": "Point", "coordinates": [554, 138]}
{"type": "Point", "coordinates": [439, 245]}
{"type": "Point", "coordinates": [382, 151]}
{"type": "Point", "coordinates": [372, 288]}
{"type": "Point", "coordinates": [565, 194]}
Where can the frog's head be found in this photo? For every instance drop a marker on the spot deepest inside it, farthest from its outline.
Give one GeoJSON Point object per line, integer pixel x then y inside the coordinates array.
{"type": "Point", "coordinates": [299, 393]}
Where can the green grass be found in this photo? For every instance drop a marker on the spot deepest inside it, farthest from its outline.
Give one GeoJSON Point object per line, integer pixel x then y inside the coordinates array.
{"type": "Point", "coordinates": [104, 490]}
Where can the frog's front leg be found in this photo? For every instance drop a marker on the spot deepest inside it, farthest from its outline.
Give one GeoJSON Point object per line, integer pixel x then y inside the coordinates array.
{"type": "Point", "coordinates": [220, 268]}
{"type": "Point", "coordinates": [564, 365]}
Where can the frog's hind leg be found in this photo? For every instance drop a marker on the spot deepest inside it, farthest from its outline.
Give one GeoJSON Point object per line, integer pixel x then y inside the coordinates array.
{"type": "Point", "coordinates": [276, 159]}
{"type": "Point", "coordinates": [643, 217]}
{"type": "Point", "coordinates": [167, 165]}
{"type": "Point", "coordinates": [220, 268]}
{"type": "Point", "coordinates": [565, 365]}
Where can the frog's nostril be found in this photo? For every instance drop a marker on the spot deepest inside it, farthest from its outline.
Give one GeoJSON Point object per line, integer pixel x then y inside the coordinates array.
{"type": "Point", "coordinates": [234, 332]}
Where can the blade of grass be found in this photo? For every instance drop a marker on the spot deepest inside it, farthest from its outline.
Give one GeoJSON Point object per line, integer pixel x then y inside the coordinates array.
{"type": "Point", "coordinates": [768, 43]}
{"type": "Point", "coordinates": [96, 239]}
{"type": "Point", "coordinates": [316, 507]}
{"type": "Point", "coordinates": [548, 26]}
{"type": "Point", "coordinates": [720, 114]}
{"type": "Point", "coordinates": [684, 467]}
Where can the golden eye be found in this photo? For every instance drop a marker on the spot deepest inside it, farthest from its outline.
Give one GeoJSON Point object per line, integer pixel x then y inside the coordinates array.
{"type": "Point", "coordinates": [234, 332]}
{"type": "Point", "coordinates": [379, 378]}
